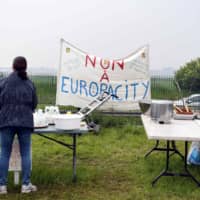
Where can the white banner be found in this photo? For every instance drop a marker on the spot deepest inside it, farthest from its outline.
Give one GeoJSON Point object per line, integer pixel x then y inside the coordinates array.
{"type": "Point", "coordinates": [83, 77]}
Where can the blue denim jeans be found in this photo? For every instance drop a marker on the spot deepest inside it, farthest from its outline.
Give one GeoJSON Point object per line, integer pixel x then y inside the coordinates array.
{"type": "Point", "coordinates": [6, 139]}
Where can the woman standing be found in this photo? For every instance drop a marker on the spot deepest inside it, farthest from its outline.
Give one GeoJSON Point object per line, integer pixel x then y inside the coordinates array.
{"type": "Point", "coordinates": [17, 103]}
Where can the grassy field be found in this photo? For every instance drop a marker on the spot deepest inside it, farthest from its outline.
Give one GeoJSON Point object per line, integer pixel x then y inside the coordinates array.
{"type": "Point", "coordinates": [46, 88]}
{"type": "Point", "coordinates": [110, 166]}
{"type": "Point", "coordinates": [163, 88]}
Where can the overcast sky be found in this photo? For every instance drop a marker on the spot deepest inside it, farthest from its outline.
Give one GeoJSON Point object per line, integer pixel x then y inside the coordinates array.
{"type": "Point", "coordinates": [105, 28]}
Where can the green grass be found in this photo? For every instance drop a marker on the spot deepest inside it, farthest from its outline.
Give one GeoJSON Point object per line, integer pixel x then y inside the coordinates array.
{"type": "Point", "coordinates": [110, 166]}
{"type": "Point", "coordinates": [164, 88]}
{"type": "Point", "coordinates": [46, 89]}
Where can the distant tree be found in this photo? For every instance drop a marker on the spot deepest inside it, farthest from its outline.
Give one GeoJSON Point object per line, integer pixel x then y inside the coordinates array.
{"type": "Point", "coordinates": [188, 76]}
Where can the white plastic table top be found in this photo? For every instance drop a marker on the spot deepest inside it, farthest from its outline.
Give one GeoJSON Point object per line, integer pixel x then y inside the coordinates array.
{"type": "Point", "coordinates": [178, 130]}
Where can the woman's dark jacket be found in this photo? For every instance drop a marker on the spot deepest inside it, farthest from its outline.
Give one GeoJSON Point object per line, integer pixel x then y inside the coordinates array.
{"type": "Point", "coordinates": [18, 100]}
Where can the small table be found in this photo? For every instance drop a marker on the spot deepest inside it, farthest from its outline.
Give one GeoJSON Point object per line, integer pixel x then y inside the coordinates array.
{"type": "Point", "coordinates": [74, 133]}
{"type": "Point", "coordinates": [177, 130]}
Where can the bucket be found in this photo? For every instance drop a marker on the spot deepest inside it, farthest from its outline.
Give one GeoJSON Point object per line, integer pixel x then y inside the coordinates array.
{"type": "Point", "coordinates": [162, 110]}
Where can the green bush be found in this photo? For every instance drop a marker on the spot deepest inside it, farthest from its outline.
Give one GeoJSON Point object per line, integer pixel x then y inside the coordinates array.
{"type": "Point", "coordinates": [188, 76]}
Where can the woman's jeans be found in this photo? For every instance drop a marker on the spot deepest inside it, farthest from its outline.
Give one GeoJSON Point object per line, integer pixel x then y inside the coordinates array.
{"type": "Point", "coordinates": [6, 139]}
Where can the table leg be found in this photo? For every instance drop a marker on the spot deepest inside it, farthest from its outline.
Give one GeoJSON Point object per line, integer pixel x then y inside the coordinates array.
{"type": "Point", "coordinates": [156, 148]}
{"type": "Point", "coordinates": [164, 172]}
{"type": "Point", "coordinates": [153, 149]}
{"type": "Point", "coordinates": [70, 146]}
{"type": "Point", "coordinates": [74, 158]}
{"type": "Point", "coordinates": [185, 165]}
{"type": "Point", "coordinates": [176, 150]}
{"type": "Point", "coordinates": [186, 172]}
{"type": "Point", "coordinates": [16, 177]}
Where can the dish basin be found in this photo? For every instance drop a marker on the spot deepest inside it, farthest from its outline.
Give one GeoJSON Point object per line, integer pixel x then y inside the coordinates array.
{"type": "Point", "coordinates": [67, 121]}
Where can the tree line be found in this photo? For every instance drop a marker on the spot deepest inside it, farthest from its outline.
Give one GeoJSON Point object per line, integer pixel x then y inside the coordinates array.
{"type": "Point", "coordinates": [188, 76]}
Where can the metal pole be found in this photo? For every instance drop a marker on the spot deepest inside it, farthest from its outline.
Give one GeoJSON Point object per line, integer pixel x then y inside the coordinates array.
{"type": "Point", "coordinates": [74, 157]}
{"type": "Point", "coordinates": [164, 172]}
{"type": "Point", "coordinates": [59, 69]}
{"type": "Point", "coordinates": [167, 154]}
{"type": "Point", "coordinates": [153, 149]}
{"type": "Point", "coordinates": [16, 177]}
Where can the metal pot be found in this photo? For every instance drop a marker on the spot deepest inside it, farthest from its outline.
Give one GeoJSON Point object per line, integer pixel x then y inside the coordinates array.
{"type": "Point", "coordinates": [145, 106]}
{"type": "Point", "coordinates": [162, 110]}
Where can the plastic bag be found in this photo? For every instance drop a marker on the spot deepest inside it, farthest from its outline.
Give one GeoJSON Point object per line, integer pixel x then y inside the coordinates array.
{"type": "Point", "coordinates": [194, 154]}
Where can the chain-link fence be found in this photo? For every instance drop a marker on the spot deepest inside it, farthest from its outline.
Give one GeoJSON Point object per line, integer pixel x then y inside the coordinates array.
{"type": "Point", "coordinates": [45, 86]}
{"type": "Point", "coordinates": [46, 89]}
{"type": "Point", "coordinates": [162, 87]}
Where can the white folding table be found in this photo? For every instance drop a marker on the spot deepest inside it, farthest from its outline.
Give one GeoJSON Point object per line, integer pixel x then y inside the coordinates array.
{"type": "Point", "coordinates": [73, 133]}
{"type": "Point", "coordinates": [176, 130]}
{"type": "Point", "coordinates": [83, 112]}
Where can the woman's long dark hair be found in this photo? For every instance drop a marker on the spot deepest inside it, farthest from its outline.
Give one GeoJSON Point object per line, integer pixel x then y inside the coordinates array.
{"type": "Point", "coordinates": [20, 65]}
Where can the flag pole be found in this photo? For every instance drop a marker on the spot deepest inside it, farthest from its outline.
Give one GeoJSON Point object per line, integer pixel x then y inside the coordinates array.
{"type": "Point", "coordinates": [59, 67]}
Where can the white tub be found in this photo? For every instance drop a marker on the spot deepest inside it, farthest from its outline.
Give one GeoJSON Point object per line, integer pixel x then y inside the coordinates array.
{"type": "Point", "coordinates": [67, 121]}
